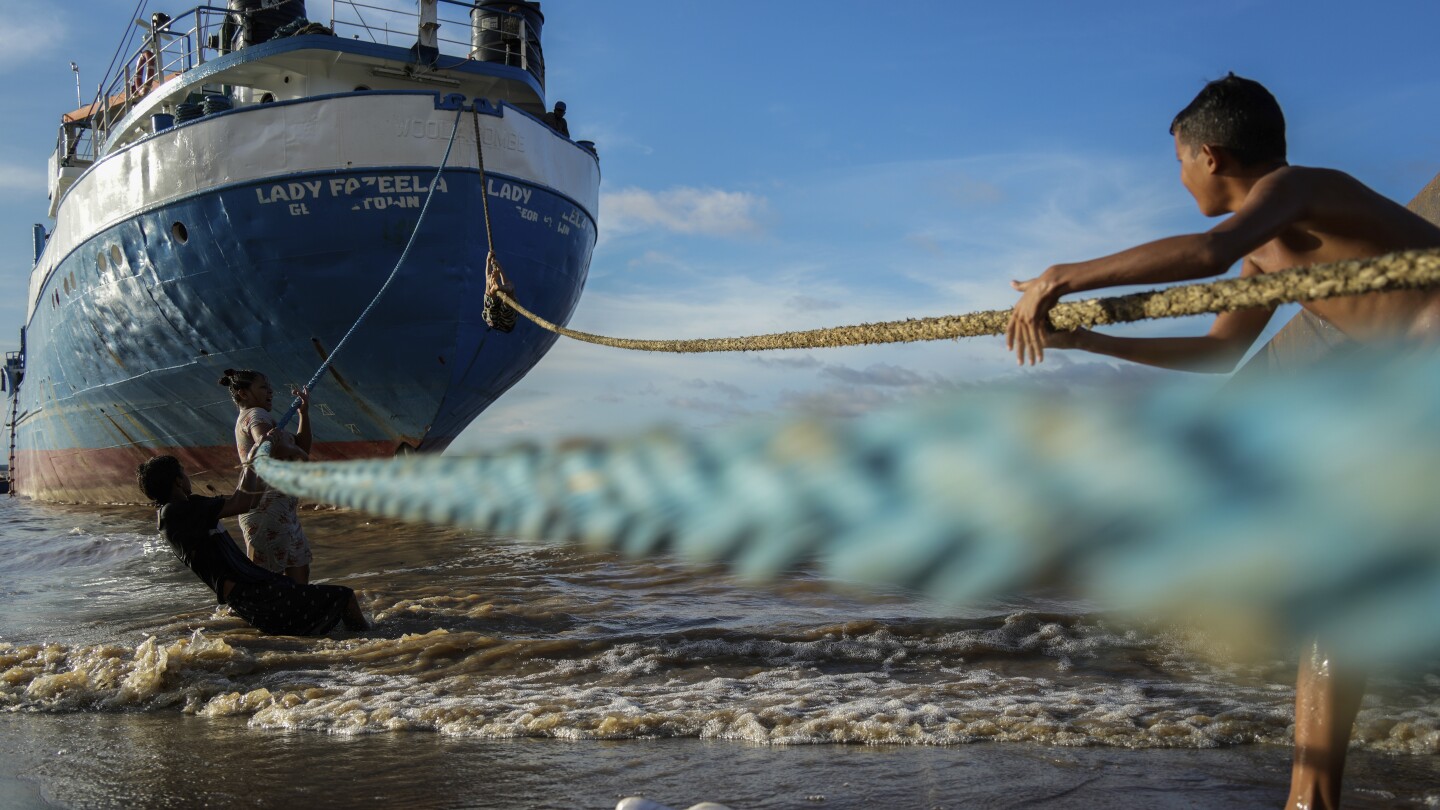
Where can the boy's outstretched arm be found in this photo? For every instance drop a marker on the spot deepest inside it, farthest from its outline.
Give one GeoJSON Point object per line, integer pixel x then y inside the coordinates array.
{"type": "Point", "coordinates": [282, 445]}
{"type": "Point", "coordinates": [1276, 201]}
{"type": "Point", "coordinates": [249, 490]}
{"type": "Point", "coordinates": [246, 495]}
{"type": "Point", "coordinates": [302, 428]}
{"type": "Point", "coordinates": [1176, 258]}
{"type": "Point", "coordinates": [1216, 352]}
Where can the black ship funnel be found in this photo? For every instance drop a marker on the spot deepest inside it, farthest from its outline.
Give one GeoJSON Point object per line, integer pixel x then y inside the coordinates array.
{"type": "Point", "coordinates": [509, 33]}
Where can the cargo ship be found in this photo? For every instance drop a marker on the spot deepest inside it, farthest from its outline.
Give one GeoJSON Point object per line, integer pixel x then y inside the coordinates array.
{"type": "Point", "coordinates": [236, 194]}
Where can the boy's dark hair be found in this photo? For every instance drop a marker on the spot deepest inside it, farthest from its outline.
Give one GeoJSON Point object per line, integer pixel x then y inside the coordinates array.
{"type": "Point", "coordinates": [1238, 115]}
{"type": "Point", "coordinates": [156, 475]}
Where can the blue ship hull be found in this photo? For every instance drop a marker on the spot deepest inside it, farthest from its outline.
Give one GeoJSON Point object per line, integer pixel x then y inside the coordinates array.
{"type": "Point", "coordinates": [131, 330]}
{"type": "Point", "coordinates": [132, 365]}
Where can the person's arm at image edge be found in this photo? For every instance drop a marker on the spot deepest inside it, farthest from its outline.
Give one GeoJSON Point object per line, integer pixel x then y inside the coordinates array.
{"type": "Point", "coordinates": [246, 495]}
{"type": "Point", "coordinates": [302, 428]}
{"type": "Point", "coordinates": [1274, 202]}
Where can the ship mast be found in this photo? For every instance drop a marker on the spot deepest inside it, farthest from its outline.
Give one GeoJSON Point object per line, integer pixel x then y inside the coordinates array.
{"type": "Point", "coordinates": [427, 45]}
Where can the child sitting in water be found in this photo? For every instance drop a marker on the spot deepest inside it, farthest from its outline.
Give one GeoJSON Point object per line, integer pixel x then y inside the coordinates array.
{"type": "Point", "coordinates": [269, 602]}
{"type": "Point", "coordinates": [1230, 142]}
{"type": "Point", "coordinates": [272, 528]}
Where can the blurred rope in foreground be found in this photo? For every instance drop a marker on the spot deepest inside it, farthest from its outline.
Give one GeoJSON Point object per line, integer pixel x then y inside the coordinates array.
{"type": "Point", "coordinates": [1294, 506]}
{"type": "Point", "coordinates": [1396, 271]}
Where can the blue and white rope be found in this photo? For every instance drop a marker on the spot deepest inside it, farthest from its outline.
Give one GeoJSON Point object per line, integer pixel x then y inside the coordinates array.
{"type": "Point", "coordinates": [1301, 506]}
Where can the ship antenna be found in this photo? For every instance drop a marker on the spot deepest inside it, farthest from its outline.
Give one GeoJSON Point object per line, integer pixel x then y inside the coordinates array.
{"type": "Point", "coordinates": [79, 102]}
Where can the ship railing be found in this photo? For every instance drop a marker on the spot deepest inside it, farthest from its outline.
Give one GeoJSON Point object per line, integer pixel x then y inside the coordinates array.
{"type": "Point", "coordinates": [159, 49]}
{"type": "Point", "coordinates": [13, 372]}
{"type": "Point", "coordinates": [466, 31]}
{"type": "Point", "coordinates": [75, 145]}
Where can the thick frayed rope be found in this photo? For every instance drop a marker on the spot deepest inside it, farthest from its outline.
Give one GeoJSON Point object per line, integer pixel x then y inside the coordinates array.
{"type": "Point", "coordinates": [1397, 271]}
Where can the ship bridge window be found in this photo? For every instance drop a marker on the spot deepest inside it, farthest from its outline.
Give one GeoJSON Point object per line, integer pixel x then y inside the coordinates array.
{"type": "Point", "coordinates": [180, 233]}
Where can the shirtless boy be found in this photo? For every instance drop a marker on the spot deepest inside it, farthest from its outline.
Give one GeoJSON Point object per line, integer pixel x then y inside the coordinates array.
{"type": "Point", "coordinates": [1230, 142]}
{"type": "Point", "coordinates": [269, 602]}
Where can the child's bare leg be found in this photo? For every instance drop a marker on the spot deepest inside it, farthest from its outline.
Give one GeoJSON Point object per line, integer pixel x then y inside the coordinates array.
{"type": "Point", "coordinates": [354, 617]}
{"type": "Point", "coordinates": [1327, 699]}
{"type": "Point", "coordinates": [299, 573]}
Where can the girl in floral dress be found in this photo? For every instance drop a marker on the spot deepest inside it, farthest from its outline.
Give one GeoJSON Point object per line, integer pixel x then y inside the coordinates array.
{"type": "Point", "coordinates": [272, 530]}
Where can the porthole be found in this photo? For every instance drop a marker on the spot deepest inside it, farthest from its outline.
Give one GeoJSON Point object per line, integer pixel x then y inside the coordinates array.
{"type": "Point", "coordinates": [287, 79]}
{"type": "Point", "coordinates": [360, 88]}
{"type": "Point", "coordinates": [115, 258]}
{"type": "Point", "coordinates": [100, 261]}
{"type": "Point", "coordinates": [178, 231]}
{"type": "Point", "coordinates": [267, 98]}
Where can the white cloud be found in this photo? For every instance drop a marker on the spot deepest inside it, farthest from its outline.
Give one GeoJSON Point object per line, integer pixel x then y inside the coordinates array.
{"type": "Point", "coordinates": [724, 389]}
{"type": "Point", "coordinates": [836, 401]}
{"type": "Point", "coordinates": [963, 189]}
{"type": "Point", "coordinates": [810, 302]}
{"type": "Point", "coordinates": [708, 212]}
{"type": "Point", "coordinates": [788, 360]}
{"type": "Point", "coordinates": [613, 136]}
{"type": "Point", "coordinates": [657, 259]}
{"type": "Point", "coordinates": [28, 34]}
{"type": "Point", "coordinates": [22, 178]}
{"type": "Point", "coordinates": [708, 406]}
{"type": "Point", "coordinates": [881, 374]}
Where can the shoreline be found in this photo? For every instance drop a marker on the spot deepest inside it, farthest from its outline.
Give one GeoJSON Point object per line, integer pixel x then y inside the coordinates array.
{"type": "Point", "coordinates": [49, 760]}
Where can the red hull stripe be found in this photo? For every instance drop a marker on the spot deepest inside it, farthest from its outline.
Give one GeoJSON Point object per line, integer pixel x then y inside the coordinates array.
{"type": "Point", "coordinates": [108, 475]}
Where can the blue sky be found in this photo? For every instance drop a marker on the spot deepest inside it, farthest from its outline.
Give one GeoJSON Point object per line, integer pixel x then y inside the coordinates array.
{"type": "Point", "coordinates": [804, 164]}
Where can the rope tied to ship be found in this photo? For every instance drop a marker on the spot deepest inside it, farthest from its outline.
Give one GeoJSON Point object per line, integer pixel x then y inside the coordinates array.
{"type": "Point", "coordinates": [1397, 271]}
{"type": "Point", "coordinates": [496, 313]}
{"type": "Point", "coordinates": [404, 254]}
